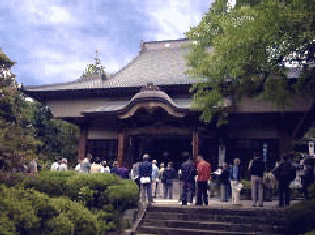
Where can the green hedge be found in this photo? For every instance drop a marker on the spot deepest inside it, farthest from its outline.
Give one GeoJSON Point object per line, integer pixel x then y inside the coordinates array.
{"type": "Point", "coordinates": [31, 212]}
{"type": "Point", "coordinates": [301, 217]}
{"type": "Point", "coordinates": [106, 195]}
{"type": "Point", "coordinates": [12, 179]}
{"type": "Point", "coordinates": [312, 191]}
{"type": "Point", "coordinates": [93, 190]}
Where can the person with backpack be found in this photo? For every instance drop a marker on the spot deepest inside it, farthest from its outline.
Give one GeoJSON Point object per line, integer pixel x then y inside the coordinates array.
{"type": "Point", "coordinates": [285, 173]}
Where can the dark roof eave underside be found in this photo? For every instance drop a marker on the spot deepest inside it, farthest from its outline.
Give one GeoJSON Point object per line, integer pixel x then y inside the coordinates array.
{"type": "Point", "coordinates": [117, 91]}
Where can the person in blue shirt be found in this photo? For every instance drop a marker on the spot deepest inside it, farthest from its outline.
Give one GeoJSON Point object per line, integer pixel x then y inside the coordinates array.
{"type": "Point", "coordinates": [236, 176]}
{"type": "Point", "coordinates": [145, 175]}
{"type": "Point", "coordinates": [114, 169]}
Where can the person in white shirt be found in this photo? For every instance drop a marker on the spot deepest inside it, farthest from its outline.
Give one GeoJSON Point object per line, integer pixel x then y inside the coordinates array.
{"type": "Point", "coordinates": [63, 165]}
{"type": "Point", "coordinates": [54, 166]}
{"type": "Point", "coordinates": [155, 178]}
{"type": "Point", "coordinates": [95, 168]}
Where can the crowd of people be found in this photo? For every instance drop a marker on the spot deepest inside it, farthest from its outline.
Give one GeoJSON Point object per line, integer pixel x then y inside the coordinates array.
{"type": "Point", "coordinates": [195, 178]}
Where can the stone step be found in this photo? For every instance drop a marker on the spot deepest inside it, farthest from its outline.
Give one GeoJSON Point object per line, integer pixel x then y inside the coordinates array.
{"type": "Point", "coordinates": [208, 220]}
{"type": "Point", "coordinates": [212, 225]}
{"type": "Point", "coordinates": [208, 210]}
{"type": "Point", "coordinates": [255, 220]}
{"type": "Point", "coordinates": [182, 231]}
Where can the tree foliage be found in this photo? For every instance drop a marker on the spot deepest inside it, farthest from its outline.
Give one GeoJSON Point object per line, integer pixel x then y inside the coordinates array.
{"type": "Point", "coordinates": [58, 138]}
{"type": "Point", "coordinates": [16, 132]}
{"type": "Point", "coordinates": [28, 129]}
{"type": "Point", "coordinates": [247, 49]}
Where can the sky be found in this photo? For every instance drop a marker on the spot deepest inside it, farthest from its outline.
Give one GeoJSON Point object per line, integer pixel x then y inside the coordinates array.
{"type": "Point", "coordinates": [52, 41]}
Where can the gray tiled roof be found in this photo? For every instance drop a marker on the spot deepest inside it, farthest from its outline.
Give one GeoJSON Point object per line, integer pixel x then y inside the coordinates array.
{"type": "Point", "coordinates": [160, 63]}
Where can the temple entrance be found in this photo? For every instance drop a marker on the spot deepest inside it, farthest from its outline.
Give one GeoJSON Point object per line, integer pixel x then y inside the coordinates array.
{"type": "Point", "coordinates": [161, 148]}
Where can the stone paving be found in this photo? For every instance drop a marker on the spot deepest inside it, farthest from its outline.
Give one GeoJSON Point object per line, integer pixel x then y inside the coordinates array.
{"type": "Point", "coordinates": [212, 202]}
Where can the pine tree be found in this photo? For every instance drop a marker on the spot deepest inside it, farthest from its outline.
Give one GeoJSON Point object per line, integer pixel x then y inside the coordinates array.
{"type": "Point", "coordinates": [16, 132]}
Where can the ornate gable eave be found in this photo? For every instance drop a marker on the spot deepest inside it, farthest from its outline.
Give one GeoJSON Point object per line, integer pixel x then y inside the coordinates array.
{"type": "Point", "coordinates": [151, 106]}
{"type": "Point", "coordinates": [151, 98]}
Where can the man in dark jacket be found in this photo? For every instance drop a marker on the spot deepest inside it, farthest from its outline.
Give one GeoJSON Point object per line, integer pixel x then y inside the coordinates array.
{"type": "Point", "coordinates": [256, 170]}
{"type": "Point", "coordinates": [224, 183]}
{"type": "Point", "coordinates": [169, 176]}
{"type": "Point", "coordinates": [145, 174]}
{"type": "Point", "coordinates": [285, 173]}
{"type": "Point", "coordinates": [188, 173]}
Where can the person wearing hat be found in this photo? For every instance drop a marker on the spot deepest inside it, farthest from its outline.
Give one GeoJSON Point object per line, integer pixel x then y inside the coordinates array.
{"type": "Point", "coordinates": [145, 175]}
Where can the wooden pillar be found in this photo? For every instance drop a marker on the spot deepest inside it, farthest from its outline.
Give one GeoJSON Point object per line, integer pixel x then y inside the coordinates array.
{"type": "Point", "coordinates": [121, 147]}
{"type": "Point", "coordinates": [196, 145]}
{"type": "Point", "coordinates": [82, 141]}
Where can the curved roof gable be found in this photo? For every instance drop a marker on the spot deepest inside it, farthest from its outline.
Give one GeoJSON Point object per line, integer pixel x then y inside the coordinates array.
{"type": "Point", "coordinates": [149, 98]}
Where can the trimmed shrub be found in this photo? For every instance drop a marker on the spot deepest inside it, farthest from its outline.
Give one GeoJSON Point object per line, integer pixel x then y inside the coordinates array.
{"type": "Point", "coordinates": [54, 183]}
{"type": "Point", "coordinates": [312, 191]}
{"type": "Point", "coordinates": [301, 218]}
{"type": "Point", "coordinates": [31, 212]}
{"type": "Point", "coordinates": [93, 190]}
{"type": "Point", "coordinates": [107, 195]}
{"type": "Point", "coordinates": [12, 179]}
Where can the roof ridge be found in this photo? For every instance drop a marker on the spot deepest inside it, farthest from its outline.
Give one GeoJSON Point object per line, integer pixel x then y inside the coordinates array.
{"type": "Point", "coordinates": [169, 40]}
{"type": "Point", "coordinates": [141, 51]}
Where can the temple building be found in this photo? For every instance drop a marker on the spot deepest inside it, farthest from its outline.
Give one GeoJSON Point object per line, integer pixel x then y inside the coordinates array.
{"type": "Point", "coordinates": [146, 108]}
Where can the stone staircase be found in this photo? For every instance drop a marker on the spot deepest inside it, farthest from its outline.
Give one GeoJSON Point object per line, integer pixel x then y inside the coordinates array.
{"type": "Point", "coordinates": [193, 220]}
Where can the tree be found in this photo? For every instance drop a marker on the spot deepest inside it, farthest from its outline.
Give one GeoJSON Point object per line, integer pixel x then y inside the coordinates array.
{"type": "Point", "coordinates": [16, 132]}
{"type": "Point", "coordinates": [247, 50]}
{"type": "Point", "coordinates": [58, 138]}
{"type": "Point", "coordinates": [27, 128]}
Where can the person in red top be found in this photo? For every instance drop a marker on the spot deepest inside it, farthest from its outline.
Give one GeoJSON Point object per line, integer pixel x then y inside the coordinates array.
{"type": "Point", "coordinates": [204, 172]}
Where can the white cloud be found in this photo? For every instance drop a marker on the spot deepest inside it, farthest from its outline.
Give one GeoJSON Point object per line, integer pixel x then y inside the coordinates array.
{"type": "Point", "coordinates": [58, 15]}
{"type": "Point", "coordinates": [174, 18]}
{"type": "Point", "coordinates": [57, 39]}
{"type": "Point", "coordinates": [42, 12]}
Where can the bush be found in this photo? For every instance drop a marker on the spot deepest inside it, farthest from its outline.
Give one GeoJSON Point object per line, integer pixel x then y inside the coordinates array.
{"type": "Point", "coordinates": [93, 190]}
{"type": "Point", "coordinates": [12, 179]}
{"type": "Point", "coordinates": [54, 183]}
{"type": "Point", "coordinates": [312, 191]}
{"type": "Point", "coordinates": [31, 212]}
{"type": "Point", "coordinates": [107, 195]}
{"type": "Point", "coordinates": [301, 217]}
